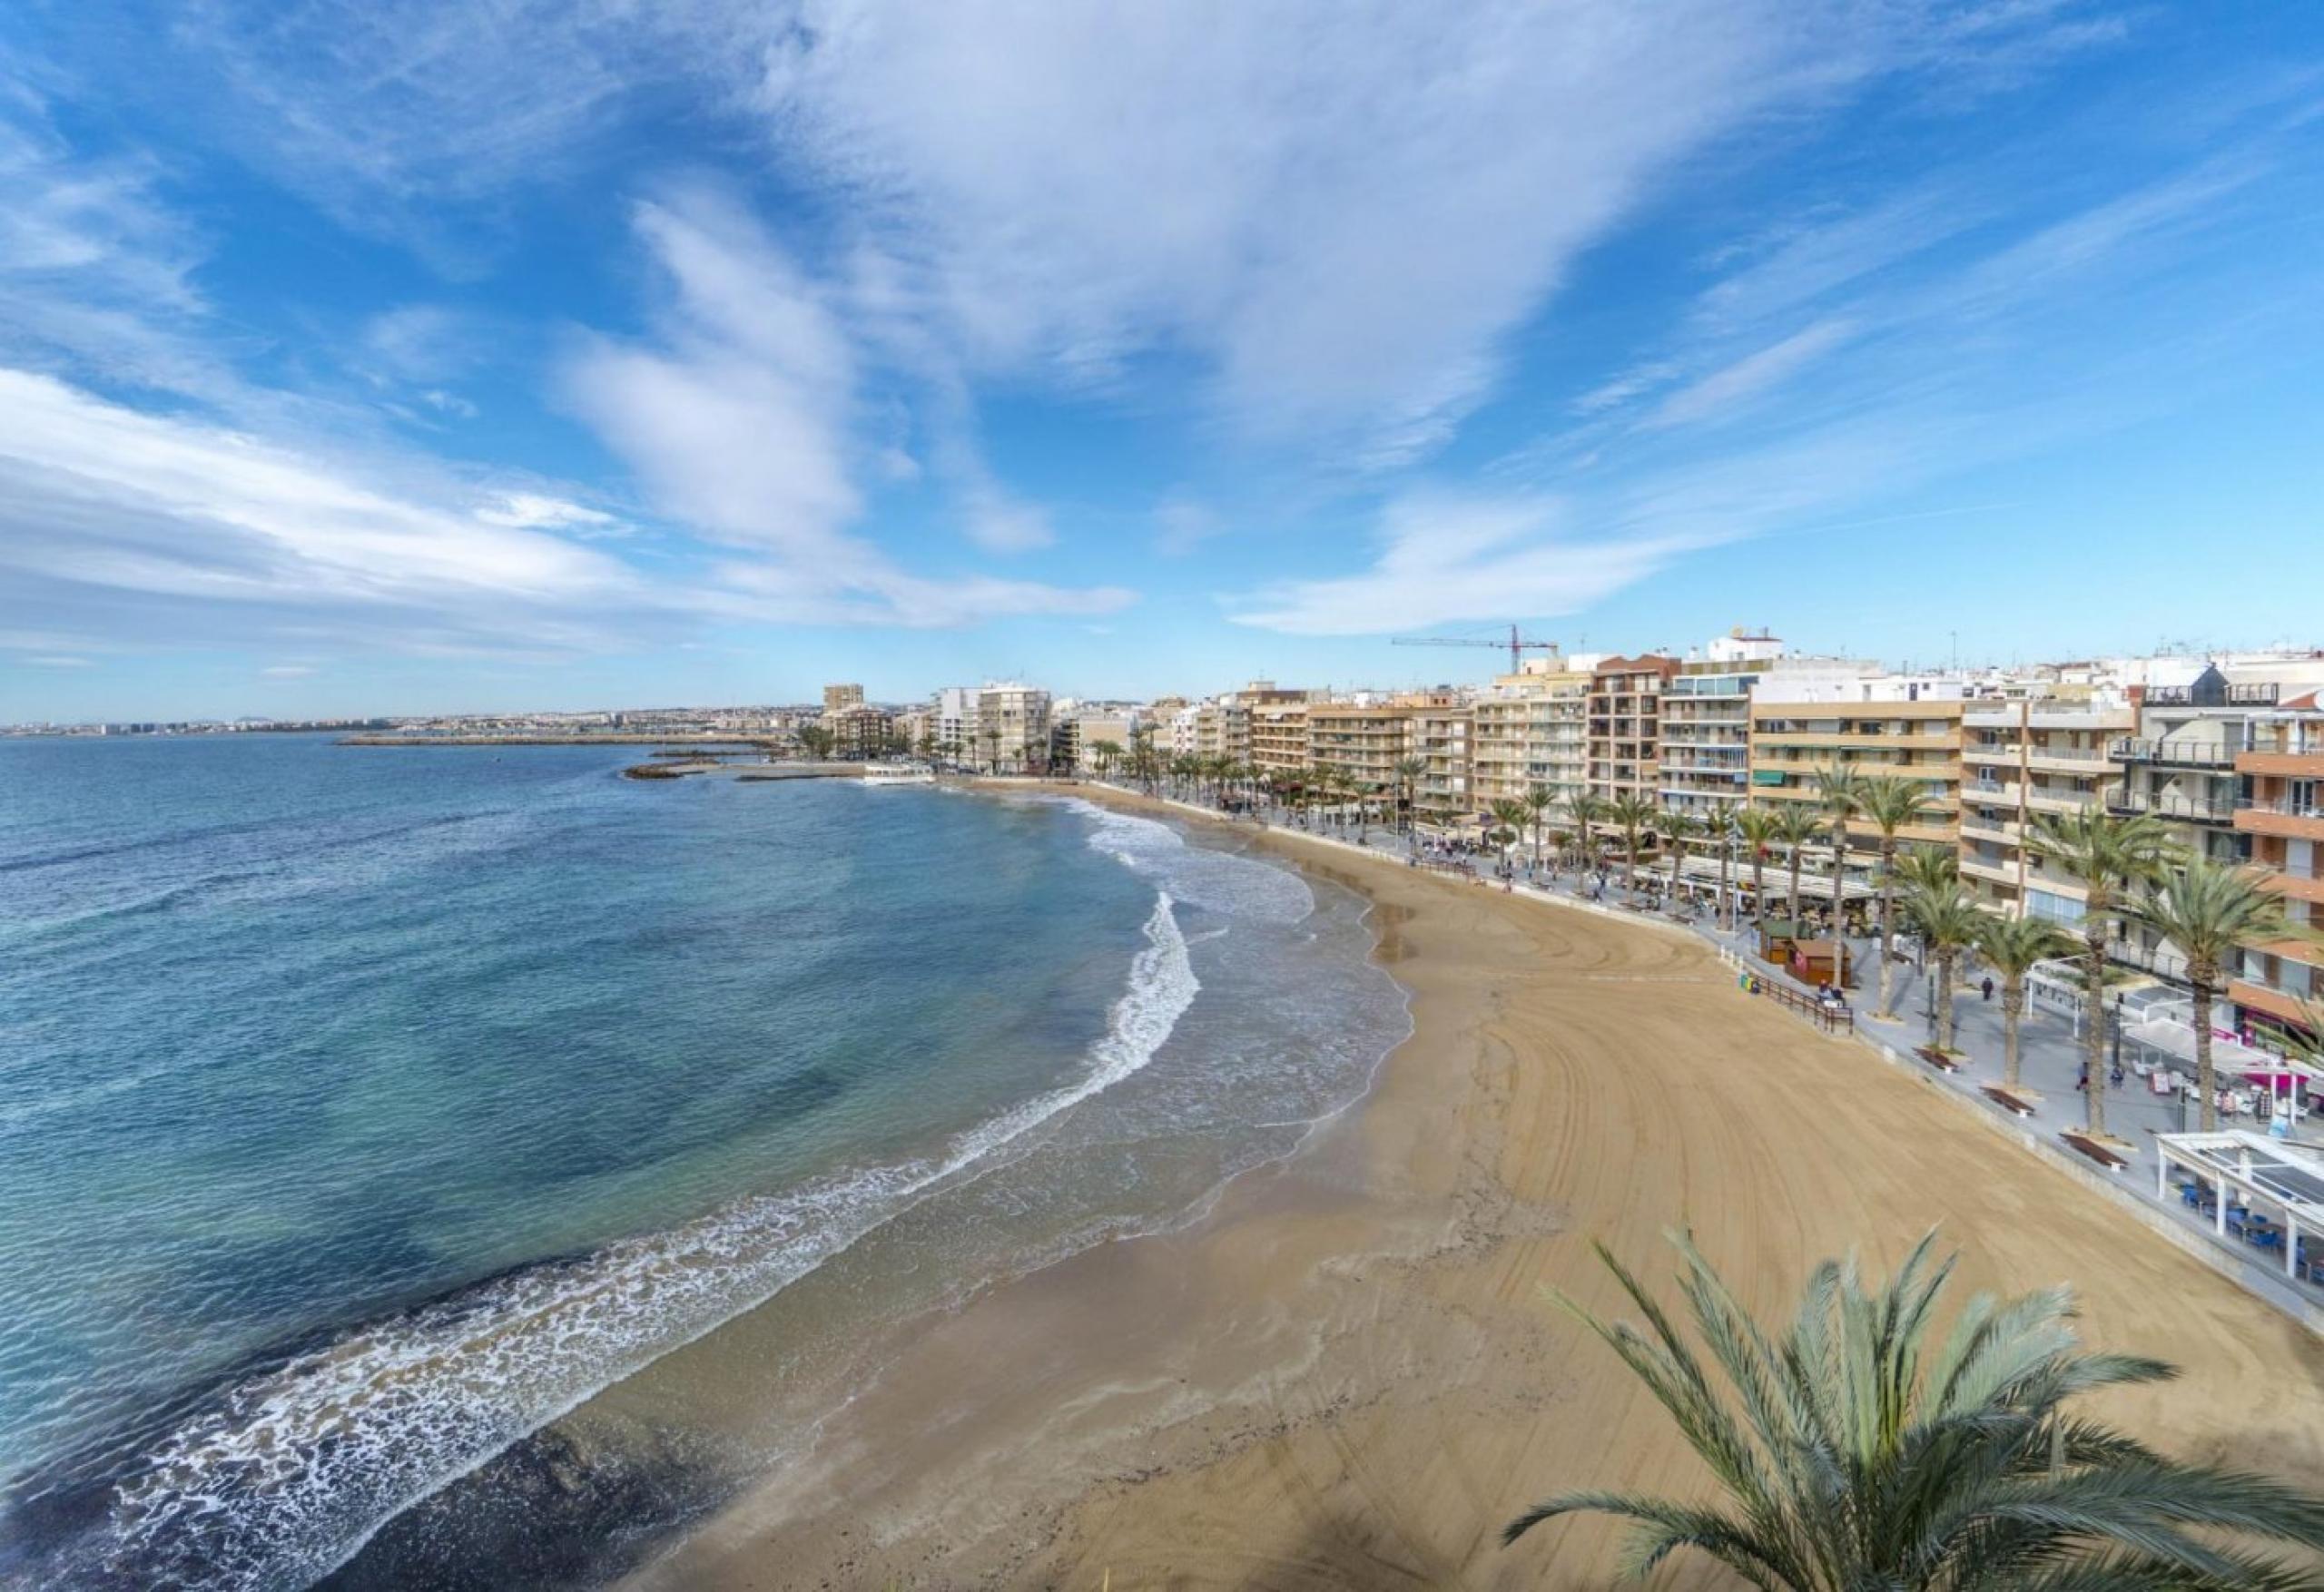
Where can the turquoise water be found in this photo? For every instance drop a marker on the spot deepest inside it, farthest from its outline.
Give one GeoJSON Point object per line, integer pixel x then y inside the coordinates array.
{"type": "Point", "coordinates": [360, 1110]}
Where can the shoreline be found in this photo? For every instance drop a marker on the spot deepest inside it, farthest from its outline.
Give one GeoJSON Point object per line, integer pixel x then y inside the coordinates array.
{"type": "Point", "coordinates": [1339, 1374]}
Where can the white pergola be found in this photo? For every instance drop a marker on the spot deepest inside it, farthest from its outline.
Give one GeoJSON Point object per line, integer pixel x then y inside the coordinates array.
{"type": "Point", "coordinates": [2264, 1170]}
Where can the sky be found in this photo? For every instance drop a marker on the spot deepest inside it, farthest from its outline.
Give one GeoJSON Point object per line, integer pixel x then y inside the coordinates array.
{"type": "Point", "coordinates": [360, 357]}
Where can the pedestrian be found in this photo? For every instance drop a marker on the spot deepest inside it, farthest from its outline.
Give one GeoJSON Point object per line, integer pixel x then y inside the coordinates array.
{"type": "Point", "coordinates": [2081, 1082]}
{"type": "Point", "coordinates": [1989, 987]}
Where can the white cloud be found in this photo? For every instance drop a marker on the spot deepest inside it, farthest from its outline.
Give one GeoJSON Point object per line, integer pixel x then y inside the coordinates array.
{"type": "Point", "coordinates": [57, 661]}
{"type": "Point", "coordinates": [1340, 222]}
{"type": "Point", "coordinates": [534, 511]}
{"type": "Point", "coordinates": [289, 671]}
{"type": "Point", "coordinates": [1445, 557]}
{"type": "Point", "coordinates": [736, 418]}
{"type": "Point", "coordinates": [1749, 377]}
{"type": "Point", "coordinates": [1181, 524]}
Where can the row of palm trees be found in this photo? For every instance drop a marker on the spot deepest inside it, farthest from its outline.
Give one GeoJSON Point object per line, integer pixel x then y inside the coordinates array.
{"type": "Point", "coordinates": [2130, 868]}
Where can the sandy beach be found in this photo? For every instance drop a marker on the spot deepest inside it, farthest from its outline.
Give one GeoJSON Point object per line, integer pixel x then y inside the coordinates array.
{"type": "Point", "coordinates": [1344, 1374]}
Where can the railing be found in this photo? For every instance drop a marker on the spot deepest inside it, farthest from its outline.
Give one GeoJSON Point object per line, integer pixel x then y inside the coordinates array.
{"type": "Point", "coordinates": [2282, 806]}
{"type": "Point", "coordinates": [2194, 754]}
{"type": "Point", "coordinates": [2191, 807]}
{"type": "Point", "coordinates": [1830, 1018]}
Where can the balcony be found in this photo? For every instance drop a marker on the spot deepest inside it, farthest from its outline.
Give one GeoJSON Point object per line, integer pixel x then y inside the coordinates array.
{"type": "Point", "coordinates": [2283, 817]}
{"type": "Point", "coordinates": [2171, 807]}
{"type": "Point", "coordinates": [2177, 754]}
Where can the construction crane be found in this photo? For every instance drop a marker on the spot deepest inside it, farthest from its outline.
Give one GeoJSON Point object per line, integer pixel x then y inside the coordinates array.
{"type": "Point", "coordinates": [1516, 643]}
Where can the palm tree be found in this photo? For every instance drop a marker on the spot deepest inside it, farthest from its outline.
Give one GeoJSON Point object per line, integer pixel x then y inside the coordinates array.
{"type": "Point", "coordinates": [1718, 829]}
{"type": "Point", "coordinates": [1795, 826]}
{"type": "Point", "coordinates": [1890, 804]}
{"type": "Point", "coordinates": [2110, 856]}
{"type": "Point", "coordinates": [1838, 792]}
{"type": "Point", "coordinates": [1674, 828]}
{"type": "Point", "coordinates": [2014, 947]}
{"type": "Point", "coordinates": [1538, 799]}
{"type": "Point", "coordinates": [1862, 1447]}
{"type": "Point", "coordinates": [1510, 813]}
{"type": "Point", "coordinates": [1106, 753]}
{"type": "Point", "coordinates": [2211, 912]}
{"type": "Point", "coordinates": [1630, 814]}
{"type": "Point", "coordinates": [1586, 808]}
{"type": "Point", "coordinates": [1408, 772]}
{"type": "Point", "coordinates": [1950, 922]}
{"type": "Point", "coordinates": [991, 734]}
{"type": "Point", "coordinates": [1757, 827]}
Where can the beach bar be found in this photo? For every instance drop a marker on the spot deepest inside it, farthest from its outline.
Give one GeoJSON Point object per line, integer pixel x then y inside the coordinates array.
{"type": "Point", "coordinates": [2236, 1178]}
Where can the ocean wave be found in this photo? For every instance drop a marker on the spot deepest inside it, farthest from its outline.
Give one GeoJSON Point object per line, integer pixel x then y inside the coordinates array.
{"type": "Point", "coordinates": [284, 1475]}
{"type": "Point", "coordinates": [1201, 876]}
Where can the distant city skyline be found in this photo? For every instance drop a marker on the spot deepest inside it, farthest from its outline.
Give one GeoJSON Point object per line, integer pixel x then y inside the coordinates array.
{"type": "Point", "coordinates": [384, 360]}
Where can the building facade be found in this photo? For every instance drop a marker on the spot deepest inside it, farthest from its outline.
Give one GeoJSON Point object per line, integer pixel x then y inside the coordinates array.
{"type": "Point", "coordinates": [2281, 816]}
{"type": "Point", "coordinates": [1905, 726]}
{"type": "Point", "coordinates": [1365, 740]}
{"type": "Point", "coordinates": [1624, 725]}
{"type": "Point", "coordinates": [1278, 732]}
{"type": "Point", "coordinates": [2022, 759]}
{"type": "Point", "coordinates": [1703, 754]}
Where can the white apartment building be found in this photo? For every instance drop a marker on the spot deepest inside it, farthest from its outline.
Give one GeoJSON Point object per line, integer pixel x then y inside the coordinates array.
{"type": "Point", "coordinates": [1705, 726]}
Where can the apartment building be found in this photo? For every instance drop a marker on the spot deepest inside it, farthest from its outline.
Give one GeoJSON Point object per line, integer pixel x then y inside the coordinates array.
{"type": "Point", "coordinates": [1013, 727]}
{"type": "Point", "coordinates": [858, 732]}
{"type": "Point", "coordinates": [1278, 732]}
{"type": "Point", "coordinates": [1078, 729]}
{"type": "Point", "coordinates": [2021, 759]}
{"type": "Point", "coordinates": [1703, 754]}
{"type": "Point", "coordinates": [2281, 816]}
{"type": "Point", "coordinates": [1532, 730]}
{"type": "Point", "coordinates": [2178, 763]}
{"type": "Point", "coordinates": [1444, 744]}
{"type": "Point", "coordinates": [838, 699]}
{"type": "Point", "coordinates": [1623, 730]}
{"type": "Point", "coordinates": [954, 721]}
{"type": "Point", "coordinates": [1908, 726]}
{"type": "Point", "coordinates": [1365, 740]}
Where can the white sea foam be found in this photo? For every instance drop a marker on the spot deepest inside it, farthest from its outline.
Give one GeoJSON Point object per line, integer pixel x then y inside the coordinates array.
{"type": "Point", "coordinates": [288, 1473]}
{"type": "Point", "coordinates": [1218, 881]}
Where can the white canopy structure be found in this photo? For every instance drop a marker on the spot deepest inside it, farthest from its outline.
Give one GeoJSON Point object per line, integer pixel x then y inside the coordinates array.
{"type": "Point", "coordinates": [2268, 1174]}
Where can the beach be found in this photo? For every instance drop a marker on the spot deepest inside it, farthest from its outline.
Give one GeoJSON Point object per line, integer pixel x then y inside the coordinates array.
{"type": "Point", "coordinates": [1344, 1372]}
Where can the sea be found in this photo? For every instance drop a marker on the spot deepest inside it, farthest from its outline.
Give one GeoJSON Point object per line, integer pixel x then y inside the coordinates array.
{"type": "Point", "coordinates": [363, 1111]}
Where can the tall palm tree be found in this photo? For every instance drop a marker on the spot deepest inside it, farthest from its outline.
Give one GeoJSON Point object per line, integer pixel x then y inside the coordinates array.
{"type": "Point", "coordinates": [2210, 912]}
{"type": "Point", "coordinates": [2013, 947]}
{"type": "Point", "coordinates": [1838, 793]}
{"type": "Point", "coordinates": [1408, 772]}
{"type": "Point", "coordinates": [992, 749]}
{"type": "Point", "coordinates": [1630, 814]}
{"type": "Point", "coordinates": [1864, 1445]}
{"type": "Point", "coordinates": [1757, 827]}
{"type": "Point", "coordinates": [2111, 856]}
{"type": "Point", "coordinates": [1588, 810]}
{"type": "Point", "coordinates": [1675, 827]}
{"type": "Point", "coordinates": [1538, 799]}
{"type": "Point", "coordinates": [1795, 824]}
{"type": "Point", "coordinates": [1511, 814]}
{"type": "Point", "coordinates": [1106, 753]}
{"type": "Point", "coordinates": [1890, 804]}
{"type": "Point", "coordinates": [1718, 829]}
{"type": "Point", "coordinates": [1950, 922]}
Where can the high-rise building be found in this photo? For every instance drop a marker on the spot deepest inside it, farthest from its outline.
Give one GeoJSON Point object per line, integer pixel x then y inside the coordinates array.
{"type": "Point", "coordinates": [1808, 723]}
{"type": "Point", "coordinates": [1013, 727]}
{"type": "Point", "coordinates": [1625, 724]}
{"type": "Point", "coordinates": [838, 699]}
{"type": "Point", "coordinates": [1364, 739]}
{"type": "Point", "coordinates": [1703, 753]}
{"type": "Point", "coordinates": [1442, 742]}
{"type": "Point", "coordinates": [1531, 729]}
{"type": "Point", "coordinates": [2021, 759]}
{"type": "Point", "coordinates": [1278, 731]}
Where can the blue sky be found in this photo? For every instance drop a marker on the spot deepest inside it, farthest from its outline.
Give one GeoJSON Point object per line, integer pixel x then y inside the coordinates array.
{"type": "Point", "coordinates": [363, 356]}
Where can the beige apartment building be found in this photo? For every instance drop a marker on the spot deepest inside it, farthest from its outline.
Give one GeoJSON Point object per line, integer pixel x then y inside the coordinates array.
{"type": "Point", "coordinates": [1279, 737]}
{"type": "Point", "coordinates": [1624, 724]}
{"type": "Point", "coordinates": [1532, 730]}
{"type": "Point", "coordinates": [2019, 760]}
{"type": "Point", "coordinates": [1444, 742]}
{"type": "Point", "coordinates": [1893, 725]}
{"type": "Point", "coordinates": [1363, 740]}
{"type": "Point", "coordinates": [838, 699]}
{"type": "Point", "coordinates": [1013, 727]}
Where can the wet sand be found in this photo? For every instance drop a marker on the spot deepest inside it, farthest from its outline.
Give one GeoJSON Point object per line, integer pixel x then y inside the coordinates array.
{"type": "Point", "coordinates": [1343, 1375]}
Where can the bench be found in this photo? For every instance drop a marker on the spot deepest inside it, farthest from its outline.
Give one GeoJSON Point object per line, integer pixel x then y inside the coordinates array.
{"type": "Point", "coordinates": [2084, 1144]}
{"type": "Point", "coordinates": [2016, 1105]}
{"type": "Point", "coordinates": [1941, 1060]}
